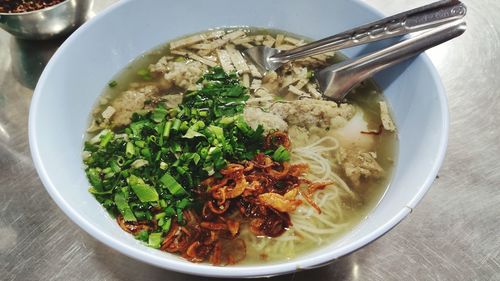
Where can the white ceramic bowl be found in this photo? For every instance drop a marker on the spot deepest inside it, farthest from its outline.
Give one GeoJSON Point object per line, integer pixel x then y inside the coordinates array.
{"type": "Point", "coordinates": [80, 69]}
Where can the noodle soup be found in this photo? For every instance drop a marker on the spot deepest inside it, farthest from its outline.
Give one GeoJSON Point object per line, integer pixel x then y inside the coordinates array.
{"type": "Point", "coordinates": [197, 153]}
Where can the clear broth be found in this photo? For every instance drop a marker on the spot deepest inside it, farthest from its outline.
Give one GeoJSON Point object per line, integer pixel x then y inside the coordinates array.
{"type": "Point", "coordinates": [366, 96]}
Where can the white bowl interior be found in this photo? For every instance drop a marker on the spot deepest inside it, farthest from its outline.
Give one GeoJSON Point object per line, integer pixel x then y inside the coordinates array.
{"type": "Point", "coordinates": [80, 69]}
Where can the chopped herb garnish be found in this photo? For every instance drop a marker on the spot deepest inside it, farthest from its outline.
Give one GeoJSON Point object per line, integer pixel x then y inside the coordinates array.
{"type": "Point", "coordinates": [281, 154]}
{"type": "Point", "coordinates": [112, 83]}
{"type": "Point", "coordinates": [144, 73]}
{"type": "Point", "coordinates": [150, 174]}
{"type": "Point", "coordinates": [155, 240]}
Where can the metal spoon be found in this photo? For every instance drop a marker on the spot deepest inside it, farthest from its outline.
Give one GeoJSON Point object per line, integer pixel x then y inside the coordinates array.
{"type": "Point", "coordinates": [336, 81]}
{"type": "Point", "coordinates": [418, 19]}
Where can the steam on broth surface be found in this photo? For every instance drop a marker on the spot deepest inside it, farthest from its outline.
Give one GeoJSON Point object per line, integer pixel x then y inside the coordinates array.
{"type": "Point", "coordinates": [197, 153]}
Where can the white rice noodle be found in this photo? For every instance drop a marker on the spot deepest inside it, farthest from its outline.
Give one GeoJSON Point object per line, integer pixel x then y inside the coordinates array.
{"type": "Point", "coordinates": [202, 60]}
{"type": "Point", "coordinates": [321, 57]}
{"type": "Point", "coordinates": [201, 46]}
{"type": "Point", "coordinates": [292, 89]}
{"type": "Point", "coordinates": [108, 112]}
{"type": "Point", "coordinates": [310, 228]}
{"type": "Point", "coordinates": [242, 40]}
{"type": "Point", "coordinates": [279, 40]}
{"type": "Point", "coordinates": [319, 166]}
{"type": "Point", "coordinates": [313, 91]}
{"type": "Point", "coordinates": [195, 39]}
{"type": "Point", "coordinates": [254, 71]}
{"type": "Point", "coordinates": [179, 52]}
{"type": "Point", "coordinates": [259, 101]}
{"type": "Point", "coordinates": [269, 41]}
{"type": "Point", "coordinates": [386, 119]}
{"type": "Point", "coordinates": [225, 60]}
{"type": "Point", "coordinates": [259, 38]}
{"type": "Point", "coordinates": [233, 35]}
{"type": "Point", "coordinates": [245, 80]}
{"type": "Point", "coordinates": [247, 45]}
{"type": "Point", "coordinates": [256, 83]}
{"type": "Point", "coordinates": [237, 60]}
{"type": "Point", "coordinates": [301, 83]}
{"type": "Point", "coordinates": [294, 41]}
{"type": "Point", "coordinates": [289, 80]}
{"type": "Point", "coordinates": [285, 47]}
{"type": "Point", "coordinates": [97, 138]}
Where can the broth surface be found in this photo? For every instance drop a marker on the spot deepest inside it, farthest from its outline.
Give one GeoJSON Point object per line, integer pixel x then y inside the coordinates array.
{"type": "Point", "coordinates": [365, 98]}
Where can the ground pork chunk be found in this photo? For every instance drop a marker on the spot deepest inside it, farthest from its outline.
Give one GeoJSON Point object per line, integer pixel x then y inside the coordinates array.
{"type": "Point", "coordinates": [172, 101]}
{"type": "Point", "coordinates": [313, 113]}
{"type": "Point", "coordinates": [361, 165]}
{"type": "Point", "coordinates": [255, 116]}
{"type": "Point", "coordinates": [181, 74]}
{"type": "Point", "coordinates": [129, 102]}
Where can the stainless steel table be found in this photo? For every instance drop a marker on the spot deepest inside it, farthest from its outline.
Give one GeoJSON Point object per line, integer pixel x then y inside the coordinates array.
{"type": "Point", "coordinates": [453, 234]}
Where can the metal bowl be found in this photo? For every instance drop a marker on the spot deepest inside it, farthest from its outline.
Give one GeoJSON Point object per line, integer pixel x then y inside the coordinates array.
{"type": "Point", "coordinates": [47, 23]}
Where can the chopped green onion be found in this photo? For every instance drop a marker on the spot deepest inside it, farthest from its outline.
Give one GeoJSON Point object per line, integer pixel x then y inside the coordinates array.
{"type": "Point", "coordinates": [140, 143]}
{"type": "Point", "coordinates": [180, 59]}
{"type": "Point", "coordinates": [95, 192]}
{"type": "Point", "coordinates": [139, 163]}
{"type": "Point", "coordinates": [129, 150]}
{"type": "Point", "coordinates": [163, 204]}
{"type": "Point", "coordinates": [155, 240]}
{"type": "Point", "coordinates": [169, 211]}
{"type": "Point", "coordinates": [106, 138]}
{"type": "Point", "coordinates": [196, 158]}
{"type": "Point", "coordinates": [181, 170]}
{"type": "Point", "coordinates": [137, 170]}
{"type": "Point", "coordinates": [146, 152]}
{"type": "Point", "coordinates": [180, 217]}
{"type": "Point", "coordinates": [144, 73]}
{"type": "Point", "coordinates": [172, 185]}
{"type": "Point", "coordinates": [160, 215]}
{"type": "Point", "coordinates": [192, 134]}
{"type": "Point", "coordinates": [163, 165]}
{"type": "Point", "coordinates": [143, 235]}
{"type": "Point", "coordinates": [112, 83]}
{"type": "Point", "coordinates": [166, 225]}
{"type": "Point", "coordinates": [281, 154]}
{"type": "Point", "coordinates": [159, 114]}
{"type": "Point", "coordinates": [94, 179]}
{"type": "Point", "coordinates": [184, 126]}
{"type": "Point", "coordinates": [121, 202]}
{"type": "Point", "coordinates": [176, 125]}
{"type": "Point", "coordinates": [183, 203]}
{"type": "Point", "coordinates": [145, 192]}
{"type": "Point", "coordinates": [166, 130]}
{"type": "Point", "coordinates": [120, 161]}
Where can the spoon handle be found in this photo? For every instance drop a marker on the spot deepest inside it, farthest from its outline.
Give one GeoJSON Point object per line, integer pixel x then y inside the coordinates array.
{"type": "Point", "coordinates": [335, 81]}
{"type": "Point", "coordinates": [418, 19]}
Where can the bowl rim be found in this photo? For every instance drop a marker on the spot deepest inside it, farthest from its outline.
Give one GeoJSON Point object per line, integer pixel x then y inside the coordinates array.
{"type": "Point", "coordinates": [231, 271]}
{"type": "Point", "coordinates": [35, 11]}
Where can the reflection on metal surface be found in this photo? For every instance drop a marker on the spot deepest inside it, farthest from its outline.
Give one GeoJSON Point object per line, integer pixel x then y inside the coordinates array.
{"type": "Point", "coordinates": [453, 234]}
{"type": "Point", "coordinates": [30, 57]}
{"type": "Point", "coordinates": [50, 22]}
{"type": "Point", "coordinates": [4, 133]}
{"type": "Point", "coordinates": [355, 271]}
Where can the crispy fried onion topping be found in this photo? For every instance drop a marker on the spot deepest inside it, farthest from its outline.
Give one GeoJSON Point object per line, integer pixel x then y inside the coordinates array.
{"type": "Point", "coordinates": [260, 193]}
